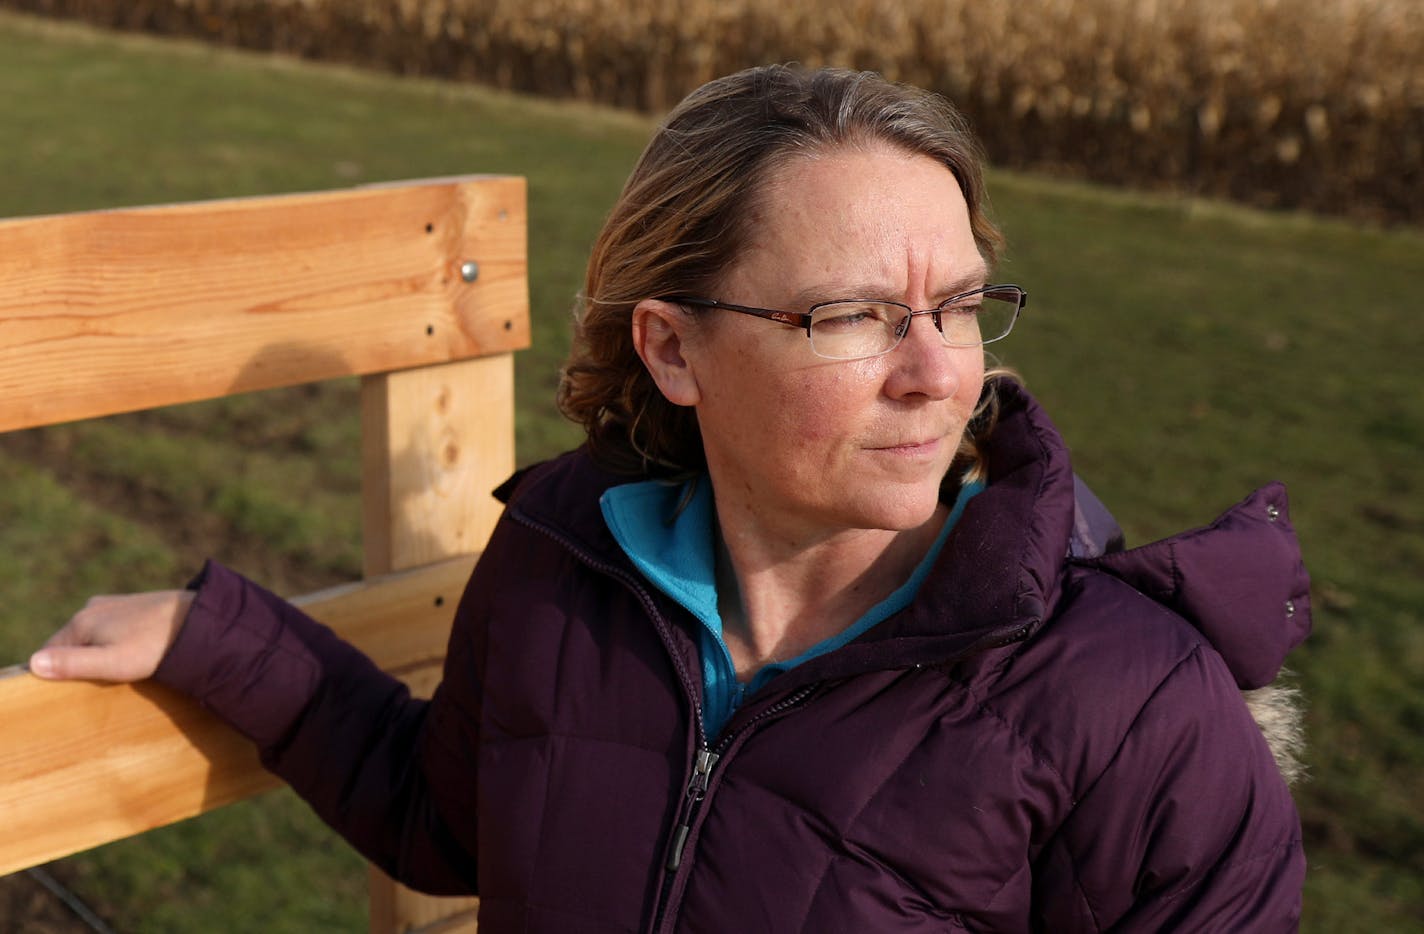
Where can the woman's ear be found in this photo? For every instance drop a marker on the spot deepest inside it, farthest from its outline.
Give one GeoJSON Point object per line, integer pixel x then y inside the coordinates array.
{"type": "Point", "coordinates": [660, 336]}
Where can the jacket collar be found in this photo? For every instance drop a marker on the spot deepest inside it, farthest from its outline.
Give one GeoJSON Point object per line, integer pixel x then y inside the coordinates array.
{"type": "Point", "coordinates": [1240, 580]}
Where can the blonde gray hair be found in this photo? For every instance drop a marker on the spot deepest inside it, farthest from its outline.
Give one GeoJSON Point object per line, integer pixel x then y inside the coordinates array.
{"type": "Point", "coordinates": [682, 221]}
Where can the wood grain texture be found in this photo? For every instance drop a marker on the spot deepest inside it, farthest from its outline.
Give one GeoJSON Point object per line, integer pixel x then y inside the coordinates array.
{"type": "Point", "coordinates": [115, 311]}
{"type": "Point", "coordinates": [435, 442]}
{"type": "Point", "coordinates": [86, 763]}
{"type": "Point", "coordinates": [112, 311]}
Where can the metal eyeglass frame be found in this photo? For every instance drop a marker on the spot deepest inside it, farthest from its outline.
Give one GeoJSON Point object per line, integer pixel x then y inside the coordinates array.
{"type": "Point", "coordinates": [802, 320]}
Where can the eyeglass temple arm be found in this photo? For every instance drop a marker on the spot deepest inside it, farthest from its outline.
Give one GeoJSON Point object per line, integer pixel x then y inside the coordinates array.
{"type": "Point", "coordinates": [798, 320]}
{"type": "Point", "coordinates": [1023, 293]}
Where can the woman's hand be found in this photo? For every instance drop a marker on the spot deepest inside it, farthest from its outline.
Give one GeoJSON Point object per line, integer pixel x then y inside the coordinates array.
{"type": "Point", "coordinates": [118, 638]}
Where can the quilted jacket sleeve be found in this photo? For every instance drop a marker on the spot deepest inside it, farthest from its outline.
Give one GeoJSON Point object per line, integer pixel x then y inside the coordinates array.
{"type": "Point", "coordinates": [1189, 828]}
{"type": "Point", "coordinates": [379, 766]}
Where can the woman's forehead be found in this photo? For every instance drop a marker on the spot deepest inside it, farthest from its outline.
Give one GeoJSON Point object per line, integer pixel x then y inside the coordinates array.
{"type": "Point", "coordinates": [863, 221]}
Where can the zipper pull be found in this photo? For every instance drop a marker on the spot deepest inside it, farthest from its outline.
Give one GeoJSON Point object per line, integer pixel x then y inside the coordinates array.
{"type": "Point", "coordinates": [701, 772]}
{"type": "Point", "coordinates": [696, 791]}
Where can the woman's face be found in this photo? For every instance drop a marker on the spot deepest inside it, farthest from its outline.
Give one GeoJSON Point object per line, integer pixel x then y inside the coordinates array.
{"type": "Point", "coordinates": [804, 446]}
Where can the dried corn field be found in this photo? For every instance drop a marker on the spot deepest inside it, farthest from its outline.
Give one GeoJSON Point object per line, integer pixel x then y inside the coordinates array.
{"type": "Point", "coordinates": [1314, 104]}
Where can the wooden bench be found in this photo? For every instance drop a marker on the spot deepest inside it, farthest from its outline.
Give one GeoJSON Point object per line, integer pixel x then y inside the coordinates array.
{"type": "Point", "coordinates": [419, 288]}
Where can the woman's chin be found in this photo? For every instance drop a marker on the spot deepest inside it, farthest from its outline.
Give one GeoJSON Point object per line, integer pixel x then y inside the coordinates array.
{"type": "Point", "coordinates": [902, 513]}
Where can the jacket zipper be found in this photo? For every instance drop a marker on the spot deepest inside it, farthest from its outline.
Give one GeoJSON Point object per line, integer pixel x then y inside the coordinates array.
{"type": "Point", "coordinates": [696, 796]}
{"type": "Point", "coordinates": [702, 767]}
{"type": "Point", "coordinates": [706, 757]}
{"type": "Point", "coordinates": [696, 791]}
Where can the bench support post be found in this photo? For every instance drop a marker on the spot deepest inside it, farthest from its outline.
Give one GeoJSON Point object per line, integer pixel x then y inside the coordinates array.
{"type": "Point", "coordinates": [435, 442]}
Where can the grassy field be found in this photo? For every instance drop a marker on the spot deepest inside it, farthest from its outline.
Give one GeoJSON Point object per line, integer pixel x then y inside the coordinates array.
{"type": "Point", "coordinates": [1189, 351]}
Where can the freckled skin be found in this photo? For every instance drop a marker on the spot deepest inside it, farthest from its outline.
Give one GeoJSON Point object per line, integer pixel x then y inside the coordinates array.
{"type": "Point", "coordinates": [825, 473]}
{"type": "Point", "coordinates": [803, 448]}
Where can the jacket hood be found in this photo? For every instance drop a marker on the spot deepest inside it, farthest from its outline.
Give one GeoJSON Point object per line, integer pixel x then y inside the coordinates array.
{"type": "Point", "coordinates": [1239, 580]}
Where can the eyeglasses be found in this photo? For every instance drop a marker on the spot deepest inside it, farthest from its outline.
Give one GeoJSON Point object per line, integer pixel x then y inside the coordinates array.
{"type": "Point", "coordinates": [854, 329]}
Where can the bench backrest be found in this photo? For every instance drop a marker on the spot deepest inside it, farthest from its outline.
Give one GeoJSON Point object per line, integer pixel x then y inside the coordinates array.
{"type": "Point", "coordinates": [419, 288]}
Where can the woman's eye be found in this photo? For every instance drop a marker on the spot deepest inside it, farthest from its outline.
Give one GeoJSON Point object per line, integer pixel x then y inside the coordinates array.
{"type": "Point", "coordinates": [841, 321]}
{"type": "Point", "coordinates": [848, 318]}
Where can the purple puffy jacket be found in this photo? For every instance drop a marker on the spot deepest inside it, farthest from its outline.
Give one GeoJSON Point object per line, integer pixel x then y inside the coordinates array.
{"type": "Point", "coordinates": [1048, 738]}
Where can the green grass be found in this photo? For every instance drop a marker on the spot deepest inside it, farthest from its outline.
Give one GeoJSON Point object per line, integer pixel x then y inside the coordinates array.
{"type": "Point", "coordinates": [1189, 351]}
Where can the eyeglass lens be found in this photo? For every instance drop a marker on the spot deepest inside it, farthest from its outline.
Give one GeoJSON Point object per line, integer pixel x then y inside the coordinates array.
{"type": "Point", "coordinates": [846, 330]}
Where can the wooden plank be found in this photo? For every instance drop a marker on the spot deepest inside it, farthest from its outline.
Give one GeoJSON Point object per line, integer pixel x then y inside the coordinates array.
{"type": "Point", "coordinates": [435, 442]}
{"type": "Point", "coordinates": [85, 763]}
{"type": "Point", "coordinates": [112, 311]}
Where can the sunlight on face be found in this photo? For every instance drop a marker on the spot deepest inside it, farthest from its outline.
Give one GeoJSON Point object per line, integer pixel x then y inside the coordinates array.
{"type": "Point", "coordinates": [807, 446]}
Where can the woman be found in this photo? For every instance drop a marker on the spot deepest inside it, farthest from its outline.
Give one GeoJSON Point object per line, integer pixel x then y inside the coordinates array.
{"type": "Point", "coordinates": [818, 632]}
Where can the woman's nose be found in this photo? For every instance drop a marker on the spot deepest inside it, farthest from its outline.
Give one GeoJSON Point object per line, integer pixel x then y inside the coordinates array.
{"type": "Point", "coordinates": [922, 364]}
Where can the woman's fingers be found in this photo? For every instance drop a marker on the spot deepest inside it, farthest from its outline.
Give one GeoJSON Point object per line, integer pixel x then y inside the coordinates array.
{"type": "Point", "coordinates": [120, 638]}
{"type": "Point", "coordinates": [88, 663]}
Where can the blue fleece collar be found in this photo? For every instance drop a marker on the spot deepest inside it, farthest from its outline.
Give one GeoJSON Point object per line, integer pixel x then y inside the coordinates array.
{"type": "Point", "coordinates": [675, 550]}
